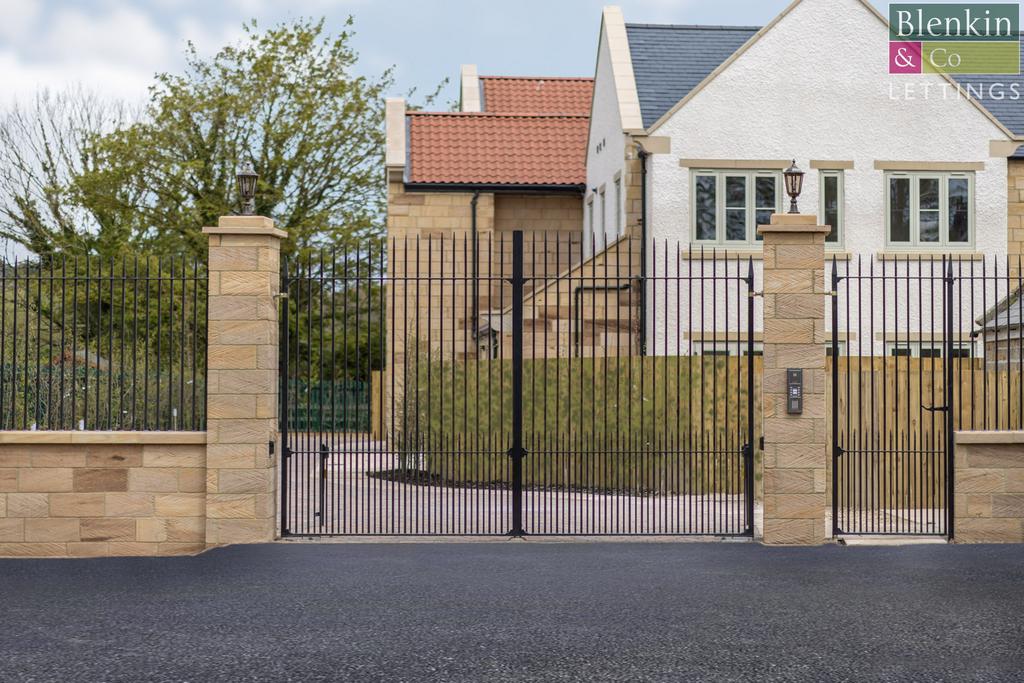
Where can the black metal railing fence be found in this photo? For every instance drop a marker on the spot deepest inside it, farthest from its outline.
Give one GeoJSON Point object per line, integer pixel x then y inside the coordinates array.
{"type": "Point", "coordinates": [93, 343]}
{"type": "Point", "coordinates": [518, 394]}
{"type": "Point", "coordinates": [922, 348]}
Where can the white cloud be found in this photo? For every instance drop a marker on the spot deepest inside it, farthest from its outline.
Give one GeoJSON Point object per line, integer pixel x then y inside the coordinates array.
{"type": "Point", "coordinates": [22, 79]}
{"type": "Point", "coordinates": [120, 35]}
{"type": "Point", "coordinates": [113, 48]}
{"type": "Point", "coordinates": [19, 16]}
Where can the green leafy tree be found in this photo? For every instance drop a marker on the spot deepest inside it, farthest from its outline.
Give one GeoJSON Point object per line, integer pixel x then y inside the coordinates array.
{"type": "Point", "coordinates": [287, 98]}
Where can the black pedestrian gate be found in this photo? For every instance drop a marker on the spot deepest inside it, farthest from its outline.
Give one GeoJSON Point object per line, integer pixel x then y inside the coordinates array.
{"type": "Point", "coordinates": [523, 388]}
{"type": "Point", "coordinates": [920, 348]}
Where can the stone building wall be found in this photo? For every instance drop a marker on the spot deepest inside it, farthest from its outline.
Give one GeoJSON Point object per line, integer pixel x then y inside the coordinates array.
{"type": "Point", "coordinates": [1015, 207]}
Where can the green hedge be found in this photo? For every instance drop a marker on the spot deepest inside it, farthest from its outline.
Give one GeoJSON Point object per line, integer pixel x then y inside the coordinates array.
{"type": "Point", "coordinates": [655, 424]}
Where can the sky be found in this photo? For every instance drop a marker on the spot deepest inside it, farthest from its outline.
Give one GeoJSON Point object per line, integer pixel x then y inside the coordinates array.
{"type": "Point", "coordinates": [114, 47]}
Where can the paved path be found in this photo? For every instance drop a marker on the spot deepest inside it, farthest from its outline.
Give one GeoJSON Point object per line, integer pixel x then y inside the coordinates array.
{"type": "Point", "coordinates": [354, 502]}
{"type": "Point", "coordinates": [519, 611]}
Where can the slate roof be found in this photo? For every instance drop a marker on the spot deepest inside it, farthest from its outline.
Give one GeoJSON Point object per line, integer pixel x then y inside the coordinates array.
{"type": "Point", "coordinates": [1008, 110]}
{"type": "Point", "coordinates": [497, 149]}
{"type": "Point", "coordinates": [669, 61]}
{"type": "Point", "coordinates": [1007, 313]}
{"type": "Point", "coordinates": [536, 95]}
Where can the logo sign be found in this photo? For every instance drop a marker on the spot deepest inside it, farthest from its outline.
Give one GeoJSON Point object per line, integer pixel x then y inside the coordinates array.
{"type": "Point", "coordinates": [961, 38]}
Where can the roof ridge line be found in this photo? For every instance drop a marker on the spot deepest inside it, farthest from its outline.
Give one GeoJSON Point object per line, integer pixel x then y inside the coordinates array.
{"type": "Point", "coordinates": [496, 114]}
{"type": "Point", "coordinates": [705, 27]}
{"type": "Point", "coordinates": [539, 78]}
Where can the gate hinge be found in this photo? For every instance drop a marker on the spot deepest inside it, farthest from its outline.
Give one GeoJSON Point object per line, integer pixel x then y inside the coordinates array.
{"type": "Point", "coordinates": [837, 451]}
{"type": "Point", "coordinates": [285, 452]}
{"type": "Point", "coordinates": [760, 443]}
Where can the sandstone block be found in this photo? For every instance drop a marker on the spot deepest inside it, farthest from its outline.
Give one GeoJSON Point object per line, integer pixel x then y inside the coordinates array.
{"type": "Point", "coordinates": [245, 481]}
{"type": "Point", "coordinates": [153, 480]}
{"type": "Point", "coordinates": [33, 549]}
{"type": "Point", "coordinates": [28, 504]}
{"type": "Point", "coordinates": [230, 506]}
{"type": "Point", "coordinates": [794, 506]}
{"type": "Point", "coordinates": [794, 531]}
{"type": "Point", "coordinates": [100, 479]}
{"type": "Point", "coordinates": [180, 505]}
{"type": "Point", "coordinates": [988, 530]}
{"type": "Point", "coordinates": [90, 549]}
{"type": "Point", "coordinates": [12, 530]}
{"type": "Point", "coordinates": [46, 480]}
{"type": "Point", "coordinates": [113, 456]}
{"type": "Point", "coordinates": [77, 504]}
{"type": "Point", "coordinates": [8, 480]}
{"type": "Point", "coordinates": [108, 529]}
{"type": "Point", "coordinates": [130, 504]}
{"type": "Point", "coordinates": [192, 480]}
{"type": "Point", "coordinates": [51, 530]}
{"type": "Point", "coordinates": [174, 456]}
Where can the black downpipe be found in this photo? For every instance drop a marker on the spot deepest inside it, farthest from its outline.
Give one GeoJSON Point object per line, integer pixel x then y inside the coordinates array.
{"type": "Point", "coordinates": [476, 264]}
{"type": "Point", "coordinates": [643, 249]}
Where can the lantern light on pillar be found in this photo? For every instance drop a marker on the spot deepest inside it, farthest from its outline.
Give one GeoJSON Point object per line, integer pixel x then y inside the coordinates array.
{"type": "Point", "coordinates": [246, 178]}
{"type": "Point", "coordinates": [794, 185]}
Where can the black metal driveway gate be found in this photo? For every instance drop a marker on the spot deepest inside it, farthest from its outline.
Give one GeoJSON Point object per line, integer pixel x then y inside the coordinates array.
{"type": "Point", "coordinates": [920, 348]}
{"type": "Point", "coordinates": [519, 386]}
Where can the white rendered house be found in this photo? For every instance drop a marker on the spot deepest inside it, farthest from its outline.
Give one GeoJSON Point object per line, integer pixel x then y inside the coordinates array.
{"type": "Point", "coordinates": [902, 167]}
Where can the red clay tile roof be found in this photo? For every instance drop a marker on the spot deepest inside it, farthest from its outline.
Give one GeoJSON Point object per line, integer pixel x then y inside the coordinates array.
{"type": "Point", "coordinates": [497, 149]}
{"type": "Point", "coordinates": [535, 95]}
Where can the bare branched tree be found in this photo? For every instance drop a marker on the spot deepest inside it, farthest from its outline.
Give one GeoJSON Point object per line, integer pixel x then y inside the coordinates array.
{"type": "Point", "coordinates": [44, 147]}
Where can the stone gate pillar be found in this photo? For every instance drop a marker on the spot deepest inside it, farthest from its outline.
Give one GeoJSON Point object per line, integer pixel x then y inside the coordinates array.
{"type": "Point", "coordinates": [795, 444]}
{"type": "Point", "coordinates": [242, 380]}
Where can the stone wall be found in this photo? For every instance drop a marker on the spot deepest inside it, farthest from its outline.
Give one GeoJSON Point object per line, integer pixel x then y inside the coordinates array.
{"type": "Point", "coordinates": [538, 212]}
{"type": "Point", "coordinates": [1015, 207]}
{"type": "Point", "coordinates": [989, 487]}
{"type": "Point", "coordinates": [102, 493]}
{"type": "Point", "coordinates": [166, 493]}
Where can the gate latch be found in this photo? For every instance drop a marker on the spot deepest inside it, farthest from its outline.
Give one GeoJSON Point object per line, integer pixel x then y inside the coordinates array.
{"type": "Point", "coordinates": [935, 409]}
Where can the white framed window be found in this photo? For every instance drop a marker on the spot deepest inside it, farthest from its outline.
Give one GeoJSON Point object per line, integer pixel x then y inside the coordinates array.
{"type": "Point", "coordinates": [832, 208]}
{"type": "Point", "coordinates": [840, 345]}
{"type": "Point", "coordinates": [730, 349]}
{"type": "Point", "coordinates": [925, 210]}
{"type": "Point", "coordinates": [727, 205]}
{"type": "Point", "coordinates": [618, 203]}
{"type": "Point", "coordinates": [927, 349]}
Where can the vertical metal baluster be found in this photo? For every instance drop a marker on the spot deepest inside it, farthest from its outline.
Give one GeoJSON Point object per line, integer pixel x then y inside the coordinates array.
{"type": "Point", "coordinates": [49, 346]}
{"type": "Point", "coordinates": [4, 424]}
{"type": "Point", "coordinates": [64, 302]}
{"type": "Point", "coordinates": [836, 449]}
{"type": "Point", "coordinates": [950, 446]}
{"type": "Point", "coordinates": [74, 345]}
